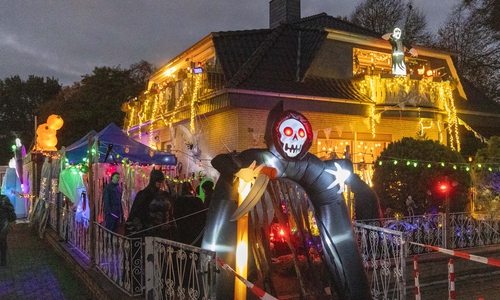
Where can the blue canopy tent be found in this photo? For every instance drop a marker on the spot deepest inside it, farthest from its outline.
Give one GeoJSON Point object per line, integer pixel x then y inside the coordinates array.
{"type": "Point", "coordinates": [114, 145]}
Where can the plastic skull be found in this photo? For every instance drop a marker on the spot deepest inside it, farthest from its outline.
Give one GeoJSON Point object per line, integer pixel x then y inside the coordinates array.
{"type": "Point", "coordinates": [293, 136]}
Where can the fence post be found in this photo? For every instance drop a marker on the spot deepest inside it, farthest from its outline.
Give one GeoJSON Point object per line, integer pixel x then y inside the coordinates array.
{"type": "Point", "coordinates": [148, 257]}
{"type": "Point", "coordinates": [416, 276]}
{"type": "Point", "coordinates": [451, 280]}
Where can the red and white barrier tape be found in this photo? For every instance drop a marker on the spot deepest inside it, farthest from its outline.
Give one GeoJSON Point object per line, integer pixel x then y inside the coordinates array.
{"type": "Point", "coordinates": [451, 280]}
{"type": "Point", "coordinates": [481, 259]}
{"type": "Point", "coordinates": [416, 276]}
{"type": "Point", "coordinates": [256, 290]}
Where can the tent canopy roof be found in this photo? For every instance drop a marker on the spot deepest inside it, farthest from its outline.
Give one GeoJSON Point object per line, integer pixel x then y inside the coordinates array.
{"type": "Point", "coordinates": [115, 145]}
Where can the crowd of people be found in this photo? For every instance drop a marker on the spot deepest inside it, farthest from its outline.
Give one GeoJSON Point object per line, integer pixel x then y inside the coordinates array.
{"type": "Point", "coordinates": [164, 208]}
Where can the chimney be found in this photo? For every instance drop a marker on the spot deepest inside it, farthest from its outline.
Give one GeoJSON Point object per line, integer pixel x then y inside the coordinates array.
{"type": "Point", "coordinates": [283, 11]}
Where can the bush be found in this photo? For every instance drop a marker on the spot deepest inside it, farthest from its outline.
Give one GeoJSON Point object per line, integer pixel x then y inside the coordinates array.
{"type": "Point", "coordinates": [411, 167]}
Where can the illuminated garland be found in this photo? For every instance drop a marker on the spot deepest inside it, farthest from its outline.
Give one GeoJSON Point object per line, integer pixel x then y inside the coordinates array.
{"type": "Point", "coordinates": [154, 112]}
{"type": "Point", "coordinates": [131, 115]}
{"type": "Point", "coordinates": [194, 98]}
{"type": "Point", "coordinates": [374, 86]}
{"type": "Point", "coordinates": [491, 167]}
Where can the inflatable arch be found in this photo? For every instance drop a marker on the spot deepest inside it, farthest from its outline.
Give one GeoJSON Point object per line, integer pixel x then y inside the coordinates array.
{"type": "Point", "coordinates": [288, 138]}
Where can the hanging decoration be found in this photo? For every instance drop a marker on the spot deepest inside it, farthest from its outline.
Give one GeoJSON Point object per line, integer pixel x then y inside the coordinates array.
{"type": "Point", "coordinates": [403, 91]}
{"type": "Point", "coordinates": [398, 44]}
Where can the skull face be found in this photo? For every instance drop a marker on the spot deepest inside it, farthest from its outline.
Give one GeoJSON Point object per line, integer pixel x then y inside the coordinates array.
{"type": "Point", "coordinates": [293, 136]}
{"type": "Point", "coordinates": [289, 135]}
{"type": "Point", "coordinates": [397, 33]}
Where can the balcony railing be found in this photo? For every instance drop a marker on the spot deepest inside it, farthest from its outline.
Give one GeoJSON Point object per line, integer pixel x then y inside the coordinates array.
{"type": "Point", "coordinates": [401, 91]}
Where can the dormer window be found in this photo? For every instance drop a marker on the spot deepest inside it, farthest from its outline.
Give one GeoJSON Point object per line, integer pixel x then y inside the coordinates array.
{"type": "Point", "coordinates": [369, 62]}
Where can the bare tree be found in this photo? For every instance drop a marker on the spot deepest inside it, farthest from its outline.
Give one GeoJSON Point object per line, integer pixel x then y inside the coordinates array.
{"type": "Point", "coordinates": [476, 45]}
{"type": "Point", "coordinates": [383, 16]}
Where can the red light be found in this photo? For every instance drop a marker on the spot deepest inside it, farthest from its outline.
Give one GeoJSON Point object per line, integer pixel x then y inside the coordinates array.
{"type": "Point", "coordinates": [288, 131]}
{"type": "Point", "coordinates": [443, 187]}
{"type": "Point", "coordinates": [302, 133]}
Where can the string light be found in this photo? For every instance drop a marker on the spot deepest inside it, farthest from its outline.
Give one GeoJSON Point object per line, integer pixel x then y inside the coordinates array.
{"type": "Point", "coordinates": [430, 164]}
{"type": "Point", "coordinates": [379, 89]}
{"type": "Point", "coordinates": [194, 98]}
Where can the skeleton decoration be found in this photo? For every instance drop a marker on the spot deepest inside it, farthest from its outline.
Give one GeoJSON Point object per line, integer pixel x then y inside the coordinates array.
{"type": "Point", "coordinates": [288, 138]}
{"type": "Point", "coordinates": [398, 52]}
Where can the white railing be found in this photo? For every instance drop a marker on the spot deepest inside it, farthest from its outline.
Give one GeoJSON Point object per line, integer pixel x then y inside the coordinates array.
{"type": "Point", "coordinates": [473, 230]}
{"type": "Point", "coordinates": [383, 251]}
{"type": "Point", "coordinates": [465, 230]}
{"type": "Point", "coordinates": [182, 271]}
{"type": "Point", "coordinates": [179, 271]}
{"type": "Point", "coordinates": [120, 259]}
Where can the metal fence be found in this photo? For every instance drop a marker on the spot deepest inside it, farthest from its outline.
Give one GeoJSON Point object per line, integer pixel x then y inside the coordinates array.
{"type": "Point", "coordinates": [383, 252]}
{"type": "Point", "coordinates": [181, 271]}
{"type": "Point", "coordinates": [177, 271]}
{"type": "Point", "coordinates": [465, 230]}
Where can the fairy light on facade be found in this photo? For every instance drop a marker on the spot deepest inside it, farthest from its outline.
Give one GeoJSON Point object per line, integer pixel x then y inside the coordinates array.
{"type": "Point", "coordinates": [194, 98]}
{"type": "Point", "coordinates": [372, 125]}
{"type": "Point", "coordinates": [131, 119]}
{"type": "Point", "coordinates": [381, 89]}
{"type": "Point", "coordinates": [152, 142]}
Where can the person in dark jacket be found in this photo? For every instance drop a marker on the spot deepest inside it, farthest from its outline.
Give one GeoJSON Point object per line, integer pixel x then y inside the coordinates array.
{"type": "Point", "coordinates": [140, 217]}
{"type": "Point", "coordinates": [112, 203]}
{"type": "Point", "coordinates": [190, 215]}
{"type": "Point", "coordinates": [7, 215]}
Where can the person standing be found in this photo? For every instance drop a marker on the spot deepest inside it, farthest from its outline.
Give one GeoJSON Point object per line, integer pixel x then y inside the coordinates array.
{"type": "Point", "coordinates": [139, 217]}
{"type": "Point", "coordinates": [112, 203]}
{"type": "Point", "coordinates": [7, 215]}
{"type": "Point", "coordinates": [190, 215]}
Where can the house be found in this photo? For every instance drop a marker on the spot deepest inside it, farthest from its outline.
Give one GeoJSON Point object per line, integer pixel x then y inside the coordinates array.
{"type": "Point", "coordinates": [214, 97]}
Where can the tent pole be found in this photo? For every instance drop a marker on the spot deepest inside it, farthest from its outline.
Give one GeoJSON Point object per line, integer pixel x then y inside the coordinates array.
{"type": "Point", "coordinates": [91, 203]}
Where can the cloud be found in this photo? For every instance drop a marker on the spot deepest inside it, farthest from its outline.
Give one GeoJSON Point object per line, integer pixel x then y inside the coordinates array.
{"type": "Point", "coordinates": [67, 39]}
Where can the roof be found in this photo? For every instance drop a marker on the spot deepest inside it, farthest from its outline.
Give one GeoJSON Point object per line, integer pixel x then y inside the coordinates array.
{"type": "Point", "coordinates": [120, 146]}
{"type": "Point", "coordinates": [278, 60]}
{"type": "Point", "coordinates": [323, 20]}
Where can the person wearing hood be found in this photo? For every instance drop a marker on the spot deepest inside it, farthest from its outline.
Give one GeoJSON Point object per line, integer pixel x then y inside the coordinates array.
{"type": "Point", "coordinates": [138, 220]}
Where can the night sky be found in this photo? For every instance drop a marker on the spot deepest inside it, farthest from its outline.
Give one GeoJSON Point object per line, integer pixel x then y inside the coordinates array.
{"type": "Point", "coordinates": [66, 39]}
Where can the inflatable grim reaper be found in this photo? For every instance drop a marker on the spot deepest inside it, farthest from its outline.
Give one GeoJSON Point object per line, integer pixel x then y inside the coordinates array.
{"type": "Point", "coordinates": [288, 138]}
